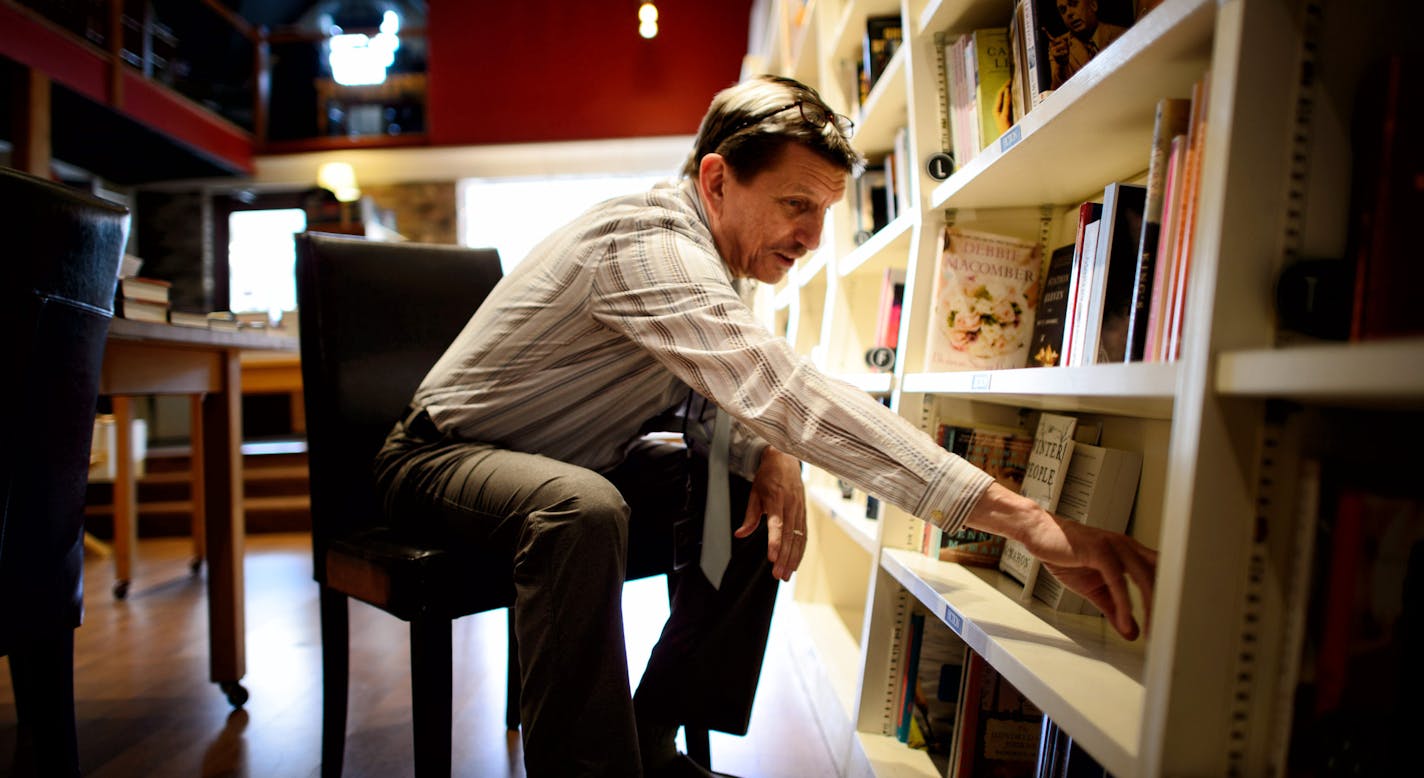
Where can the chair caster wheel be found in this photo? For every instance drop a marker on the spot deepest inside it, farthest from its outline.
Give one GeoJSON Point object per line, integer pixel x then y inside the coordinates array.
{"type": "Point", "coordinates": [121, 589]}
{"type": "Point", "coordinates": [236, 695]}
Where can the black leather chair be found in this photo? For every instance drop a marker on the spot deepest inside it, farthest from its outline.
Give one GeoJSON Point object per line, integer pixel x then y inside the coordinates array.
{"type": "Point", "coordinates": [56, 300]}
{"type": "Point", "coordinates": [375, 317]}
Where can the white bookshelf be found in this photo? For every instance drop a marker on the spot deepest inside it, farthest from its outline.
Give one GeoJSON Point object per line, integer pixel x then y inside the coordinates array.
{"type": "Point", "coordinates": [1273, 180]}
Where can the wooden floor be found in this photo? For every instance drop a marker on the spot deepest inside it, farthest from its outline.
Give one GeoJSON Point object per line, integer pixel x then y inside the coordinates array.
{"type": "Point", "coordinates": [146, 708]}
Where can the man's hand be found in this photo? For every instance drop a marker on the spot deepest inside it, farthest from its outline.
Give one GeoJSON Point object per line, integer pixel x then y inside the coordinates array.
{"type": "Point", "coordinates": [778, 494]}
{"type": "Point", "coordinates": [1092, 562]}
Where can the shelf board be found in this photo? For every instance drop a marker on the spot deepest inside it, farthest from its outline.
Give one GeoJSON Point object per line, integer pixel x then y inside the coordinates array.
{"type": "Point", "coordinates": [1074, 667]}
{"type": "Point", "coordinates": [1142, 389]}
{"type": "Point", "coordinates": [890, 247]}
{"type": "Point", "coordinates": [884, 112]}
{"type": "Point", "coordinates": [960, 16]}
{"type": "Point", "coordinates": [889, 758]}
{"type": "Point", "coordinates": [851, 27]}
{"type": "Point", "coordinates": [1388, 372]}
{"type": "Point", "coordinates": [1098, 126]}
{"type": "Point", "coordinates": [849, 515]}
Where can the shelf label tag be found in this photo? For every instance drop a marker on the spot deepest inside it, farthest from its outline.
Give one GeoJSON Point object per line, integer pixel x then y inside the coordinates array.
{"type": "Point", "coordinates": [1010, 138]}
{"type": "Point", "coordinates": [954, 620]}
{"type": "Point", "coordinates": [980, 382]}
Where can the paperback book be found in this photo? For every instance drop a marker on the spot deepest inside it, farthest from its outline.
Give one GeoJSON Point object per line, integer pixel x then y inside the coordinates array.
{"type": "Point", "coordinates": [983, 301]}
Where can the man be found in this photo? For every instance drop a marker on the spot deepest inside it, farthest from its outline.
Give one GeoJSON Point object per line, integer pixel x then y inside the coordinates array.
{"type": "Point", "coordinates": [1086, 36]}
{"type": "Point", "coordinates": [522, 436]}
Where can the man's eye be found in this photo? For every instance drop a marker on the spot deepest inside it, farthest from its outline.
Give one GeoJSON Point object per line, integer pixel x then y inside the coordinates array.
{"type": "Point", "coordinates": [796, 205]}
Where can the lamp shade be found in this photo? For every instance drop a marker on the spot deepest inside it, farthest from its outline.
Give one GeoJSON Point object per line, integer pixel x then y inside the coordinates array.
{"type": "Point", "coordinates": [340, 179]}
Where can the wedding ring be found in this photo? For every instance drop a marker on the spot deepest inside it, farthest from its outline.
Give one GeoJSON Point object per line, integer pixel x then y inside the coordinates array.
{"type": "Point", "coordinates": [797, 532]}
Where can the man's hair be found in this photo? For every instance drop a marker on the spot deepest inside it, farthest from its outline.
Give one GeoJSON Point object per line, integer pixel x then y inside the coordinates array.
{"type": "Point", "coordinates": [750, 148]}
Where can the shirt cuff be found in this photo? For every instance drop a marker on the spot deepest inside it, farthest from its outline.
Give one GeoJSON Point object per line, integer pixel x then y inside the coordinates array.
{"type": "Point", "coordinates": [952, 494]}
{"type": "Point", "coordinates": [745, 450]}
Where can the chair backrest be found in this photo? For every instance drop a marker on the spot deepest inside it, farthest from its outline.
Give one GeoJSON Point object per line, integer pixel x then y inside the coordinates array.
{"type": "Point", "coordinates": [375, 318]}
{"type": "Point", "coordinates": [56, 299]}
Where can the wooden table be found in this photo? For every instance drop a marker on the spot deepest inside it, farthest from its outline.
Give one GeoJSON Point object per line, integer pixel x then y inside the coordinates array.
{"type": "Point", "coordinates": [145, 358]}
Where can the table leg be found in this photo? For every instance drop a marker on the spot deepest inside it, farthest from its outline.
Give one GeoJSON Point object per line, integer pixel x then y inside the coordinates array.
{"type": "Point", "coordinates": [125, 496]}
{"type": "Point", "coordinates": [197, 493]}
{"type": "Point", "coordinates": [222, 461]}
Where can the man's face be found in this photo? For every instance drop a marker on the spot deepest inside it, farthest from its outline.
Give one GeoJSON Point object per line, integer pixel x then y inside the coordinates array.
{"type": "Point", "coordinates": [763, 225]}
{"type": "Point", "coordinates": [1079, 15]}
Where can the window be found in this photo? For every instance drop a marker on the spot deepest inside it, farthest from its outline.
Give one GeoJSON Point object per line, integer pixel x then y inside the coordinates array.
{"type": "Point", "coordinates": [262, 260]}
{"type": "Point", "coordinates": [514, 214]}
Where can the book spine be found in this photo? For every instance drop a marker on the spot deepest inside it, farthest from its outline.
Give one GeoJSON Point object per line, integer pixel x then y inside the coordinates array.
{"type": "Point", "coordinates": [1170, 120]}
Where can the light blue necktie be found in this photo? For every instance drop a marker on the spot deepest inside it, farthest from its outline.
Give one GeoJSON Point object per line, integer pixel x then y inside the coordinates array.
{"type": "Point", "coordinates": [716, 516]}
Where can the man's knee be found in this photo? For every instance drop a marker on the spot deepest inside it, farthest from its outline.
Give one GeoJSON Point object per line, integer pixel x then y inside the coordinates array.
{"type": "Point", "coordinates": [589, 503]}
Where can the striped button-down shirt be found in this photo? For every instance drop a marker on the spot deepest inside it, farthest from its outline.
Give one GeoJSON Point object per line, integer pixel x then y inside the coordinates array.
{"type": "Point", "coordinates": [609, 321]}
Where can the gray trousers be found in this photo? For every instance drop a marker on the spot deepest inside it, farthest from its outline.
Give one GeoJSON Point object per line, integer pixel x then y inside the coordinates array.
{"type": "Point", "coordinates": [567, 532]}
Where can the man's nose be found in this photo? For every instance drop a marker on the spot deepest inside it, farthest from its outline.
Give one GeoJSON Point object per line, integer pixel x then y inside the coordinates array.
{"type": "Point", "coordinates": [808, 233]}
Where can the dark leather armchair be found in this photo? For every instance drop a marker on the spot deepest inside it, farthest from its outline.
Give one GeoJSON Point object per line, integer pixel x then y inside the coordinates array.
{"type": "Point", "coordinates": [56, 300]}
{"type": "Point", "coordinates": [375, 318]}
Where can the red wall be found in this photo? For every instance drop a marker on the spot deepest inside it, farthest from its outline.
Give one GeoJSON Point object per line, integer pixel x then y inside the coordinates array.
{"type": "Point", "coordinates": [504, 71]}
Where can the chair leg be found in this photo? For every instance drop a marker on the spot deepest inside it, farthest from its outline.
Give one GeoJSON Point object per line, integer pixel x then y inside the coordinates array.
{"type": "Point", "coordinates": [511, 699]}
{"type": "Point", "coordinates": [430, 677]}
{"type": "Point", "coordinates": [335, 668]}
{"type": "Point", "coordinates": [42, 675]}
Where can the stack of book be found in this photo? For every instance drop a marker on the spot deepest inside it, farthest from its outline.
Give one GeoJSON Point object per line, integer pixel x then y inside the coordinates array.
{"type": "Point", "coordinates": [143, 299]}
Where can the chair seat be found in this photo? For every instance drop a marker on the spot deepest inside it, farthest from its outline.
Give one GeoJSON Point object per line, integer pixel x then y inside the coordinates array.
{"type": "Point", "coordinates": [414, 577]}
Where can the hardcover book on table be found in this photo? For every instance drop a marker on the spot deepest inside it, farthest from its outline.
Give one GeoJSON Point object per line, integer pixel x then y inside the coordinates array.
{"type": "Point", "coordinates": [983, 301]}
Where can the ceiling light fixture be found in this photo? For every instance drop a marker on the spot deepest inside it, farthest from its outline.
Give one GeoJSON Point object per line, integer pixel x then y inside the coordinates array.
{"type": "Point", "coordinates": [648, 20]}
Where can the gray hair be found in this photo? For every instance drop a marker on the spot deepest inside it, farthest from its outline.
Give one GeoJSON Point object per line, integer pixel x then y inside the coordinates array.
{"type": "Point", "coordinates": [744, 126]}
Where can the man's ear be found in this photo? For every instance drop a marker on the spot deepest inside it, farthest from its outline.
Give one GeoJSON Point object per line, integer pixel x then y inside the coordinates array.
{"type": "Point", "coordinates": [712, 180]}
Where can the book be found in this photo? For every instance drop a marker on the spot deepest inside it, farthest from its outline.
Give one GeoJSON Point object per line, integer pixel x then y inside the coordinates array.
{"type": "Point", "coordinates": [1047, 470]}
{"type": "Point", "coordinates": [871, 203]}
{"type": "Point", "coordinates": [1099, 488]}
{"type": "Point", "coordinates": [1114, 273]}
{"type": "Point", "coordinates": [960, 100]}
{"type": "Point", "coordinates": [188, 319]}
{"type": "Point", "coordinates": [1017, 75]}
{"type": "Point", "coordinates": [1169, 121]}
{"type": "Point", "coordinates": [937, 689]}
{"type": "Point", "coordinates": [1072, 34]}
{"type": "Point", "coordinates": [222, 321]}
{"type": "Point", "coordinates": [1166, 245]}
{"type": "Point", "coordinates": [1088, 214]}
{"type": "Point", "coordinates": [1191, 189]}
{"type": "Point", "coordinates": [981, 311]}
{"type": "Point", "coordinates": [1356, 707]}
{"type": "Point", "coordinates": [142, 310]}
{"type": "Point", "coordinates": [887, 320]}
{"type": "Point", "coordinates": [914, 638]}
{"type": "Point", "coordinates": [883, 35]}
{"type": "Point", "coordinates": [150, 290]}
{"type": "Point", "coordinates": [1003, 454]}
{"type": "Point", "coordinates": [1386, 196]}
{"type": "Point", "coordinates": [1000, 727]}
{"type": "Point", "coordinates": [990, 66]}
{"type": "Point", "coordinates": [1037, 76]}
{"type": "Point", "coordinates": [1083, 279]}
{"type": "Point", "coordinates": [1049, 320]}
